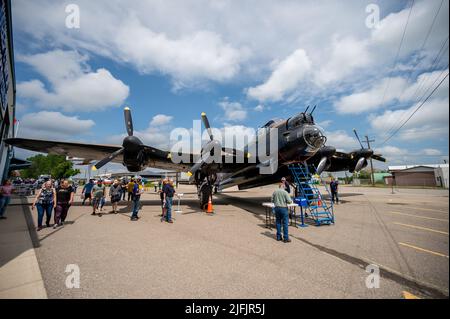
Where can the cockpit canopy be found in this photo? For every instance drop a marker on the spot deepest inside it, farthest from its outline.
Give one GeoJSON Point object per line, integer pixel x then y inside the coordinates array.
{"type": "Point", "coordinates": [272, 122]}
{"type": "Point", "coordinates": [300, 119]}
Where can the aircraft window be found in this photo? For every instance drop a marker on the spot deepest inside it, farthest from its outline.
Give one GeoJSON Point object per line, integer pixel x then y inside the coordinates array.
{"type": "Point", "coordinates": [272, 122]}
{"type": "Point", "coordinates": [313, 137]}
{"type": "Point", "coordinates": [296, 121]}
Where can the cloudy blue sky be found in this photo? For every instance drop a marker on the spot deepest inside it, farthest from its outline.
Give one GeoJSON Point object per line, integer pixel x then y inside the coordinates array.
{"type": "Point", "coordinates": [243, 62]}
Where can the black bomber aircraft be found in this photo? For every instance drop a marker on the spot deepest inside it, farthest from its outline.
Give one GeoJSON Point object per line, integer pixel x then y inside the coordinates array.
{"type": "Point", "coordinates": [300, 140]}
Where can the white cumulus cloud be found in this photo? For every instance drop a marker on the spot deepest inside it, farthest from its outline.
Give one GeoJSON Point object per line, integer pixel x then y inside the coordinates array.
{"type": "Point", "coordinates": [53, 125]}
{"type": "Point", "coordinates": [73, 86]}
{"type": "Point", "coordinates": [161, 119]}
{"type": "Point", "coordinates": [234, 111]}
{"type": "Point", "coordinates": [285, 78]}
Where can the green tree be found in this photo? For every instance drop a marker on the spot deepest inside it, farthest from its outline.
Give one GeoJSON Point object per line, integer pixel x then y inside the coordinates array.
{"type": "Point", "coordinates": [55, 165]}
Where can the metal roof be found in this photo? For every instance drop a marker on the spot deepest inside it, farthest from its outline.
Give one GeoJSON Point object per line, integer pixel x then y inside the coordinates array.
{"type": "Point", "coordinates": [403, 167]}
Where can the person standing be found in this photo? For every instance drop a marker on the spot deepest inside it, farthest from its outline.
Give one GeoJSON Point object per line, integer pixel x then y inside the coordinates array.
{"type": "Point", "coordinates": [45, 201]}
{"type": "Point", "coordinates": [97, 193]}
{"type": "Point", "coordinates": [160, 184]}
{"type": "Point", "coordinates": [115, 193]}
{"type": "Point", "coordinates": [169, 192]}
{"type": "Point", "coordinates": [286, 185]}
{"type": "Point", "coordinates": [123, 186]}
{"type": "Point", "coordinates": [130, 187]}
{"type": "Point", "coordinates": [161, 196]}
{"type": "Point", "coordinates": [280, 199]}
{"type": "Point", "coordinates": [64, 199]}
{"type": "Point", "coordinates": [138, 190]}
{"type": "Point", "coordinates": [334, 190]}
{"type": "Point", "coordinates": [5, 197]}
{"type": "Point", "coordinates": [86, 191]}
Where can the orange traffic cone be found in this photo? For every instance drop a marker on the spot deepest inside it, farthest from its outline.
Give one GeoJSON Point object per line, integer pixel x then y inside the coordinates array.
{"type": "Point", "coordinates": [209, 209]}
{"type": "Point", "coordinates": [319, 202]}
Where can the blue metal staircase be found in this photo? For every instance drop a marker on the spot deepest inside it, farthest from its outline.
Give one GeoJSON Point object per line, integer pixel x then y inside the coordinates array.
{"type": "Point", "coordinates": [317, 209]}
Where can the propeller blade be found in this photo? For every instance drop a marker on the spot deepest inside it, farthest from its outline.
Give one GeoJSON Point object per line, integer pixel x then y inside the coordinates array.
{"type": "Point", "coordinates": [197, 165]}
{"type": "Point", "coordinates": [206, 154]}
{"type": "Point", "coordinates": [108, 159]}
{"type": "Point", "coordinates": [207, 126]}
{"type": "Point", "coordinates": [357, 137]}
{"type": "Point", "coordinates": [378, 158]}
{"type": "Point", "coordinates": [128, 121]}
{"type": "Point", "coordinates": [360, 164]}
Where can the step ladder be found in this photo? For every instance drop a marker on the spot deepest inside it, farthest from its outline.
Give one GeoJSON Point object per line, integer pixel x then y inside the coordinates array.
{"type": "Point", "coordinates": [317, 208]}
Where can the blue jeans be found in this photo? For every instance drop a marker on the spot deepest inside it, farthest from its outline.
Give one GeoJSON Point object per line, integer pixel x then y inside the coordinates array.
{"type": "Point", "coordinates": [136, 203]}
{"type": "Point", "coordinates": [4, 202]}
{"type": "Point", "coordinates": [334, 197]}
{"type": "Point", "coordinates": [282, 218]}
{"type": "Point", "coordinates": [169, 201]}
{"type": "Point", "coordinates": [47, 209]}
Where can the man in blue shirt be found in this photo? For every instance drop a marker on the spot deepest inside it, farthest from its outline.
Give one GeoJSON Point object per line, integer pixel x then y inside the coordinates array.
{"type": "Point", "coordinates": [86, 192]}
{"type": "Point", "coordinates": [138, 190]}
{"type": "Point", "coordinates": [334, 190]}
{"type": "Point", "coordinates": [168, 193]}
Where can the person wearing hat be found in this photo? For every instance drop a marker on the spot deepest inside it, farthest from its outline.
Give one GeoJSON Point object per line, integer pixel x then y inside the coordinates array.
{"type": "Point", "coordinates": [138, 190]}
{"type": "Point", "coordinates": [286, 185]}
{"type": "Point", "coordinates": [168, 193]}
{"type": "Point", "coordinates": [281, 199]}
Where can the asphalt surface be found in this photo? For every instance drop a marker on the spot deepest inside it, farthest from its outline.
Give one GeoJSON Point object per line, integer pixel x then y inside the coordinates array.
{"type": "Point", "coordinates": [231, 254]}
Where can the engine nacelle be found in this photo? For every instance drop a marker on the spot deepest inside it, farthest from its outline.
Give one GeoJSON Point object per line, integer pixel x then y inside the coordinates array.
{"type": "Point", "coordinates": [324, 164]}
{"type": "Point", "coordinates": [362, 162]}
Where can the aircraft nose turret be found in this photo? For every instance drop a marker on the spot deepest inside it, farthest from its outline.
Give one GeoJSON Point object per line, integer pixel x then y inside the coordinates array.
{"type": "Point", "coordinates": [313, 136]}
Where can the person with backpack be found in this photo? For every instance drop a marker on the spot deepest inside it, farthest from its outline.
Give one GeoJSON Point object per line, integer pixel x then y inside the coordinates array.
{"type": "Point", "coordinates": [115, 193]}
{"type": "Point", "coordinates": [64, 199]}
{"type": "Point", "coordinates": [138, 190]}
{"type": "Point", "coordinates": [45, 202]}
{"type": "Point", "coordinates": [169, 192]}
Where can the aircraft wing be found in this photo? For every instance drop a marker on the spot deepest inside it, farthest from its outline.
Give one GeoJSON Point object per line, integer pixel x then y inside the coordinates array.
{"type": "Point", "coordinates": [79, 150]}
{"type": "Point", "coordinates": [95, 152]}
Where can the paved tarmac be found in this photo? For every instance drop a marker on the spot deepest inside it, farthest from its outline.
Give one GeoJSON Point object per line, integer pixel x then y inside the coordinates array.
{"type": "Point", "coordinates": [231, 254]}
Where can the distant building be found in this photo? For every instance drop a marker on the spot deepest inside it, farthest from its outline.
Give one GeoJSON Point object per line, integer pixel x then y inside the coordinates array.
{"type": "Point", "coordinates": [7, 87]}
{"type": "Point", "coordinates": [432, 175]}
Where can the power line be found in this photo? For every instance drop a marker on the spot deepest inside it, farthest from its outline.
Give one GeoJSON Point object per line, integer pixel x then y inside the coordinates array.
{"type": "Point", "coordinates": [425, 40]}
{"type": "Point", "coordinates": [398, 52]}
{"type": "Point", "coordinates": [415, 111]}
{"type": "Point", "coordinates": [422, 82]}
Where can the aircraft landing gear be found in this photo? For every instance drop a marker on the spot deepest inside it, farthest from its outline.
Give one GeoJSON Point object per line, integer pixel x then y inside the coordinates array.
{"type": "Point", "coordinates": [205, 190]}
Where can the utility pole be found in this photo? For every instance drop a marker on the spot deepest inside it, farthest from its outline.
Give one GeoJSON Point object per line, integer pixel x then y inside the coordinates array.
{"type": "Point", "coordinates": [371, 164]}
